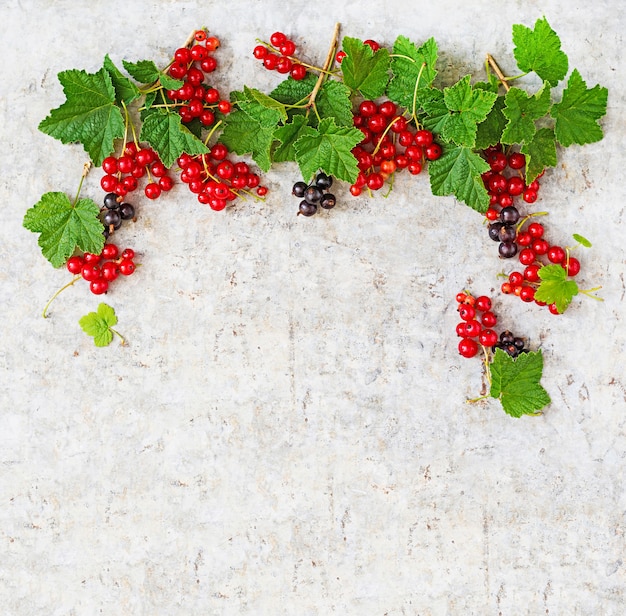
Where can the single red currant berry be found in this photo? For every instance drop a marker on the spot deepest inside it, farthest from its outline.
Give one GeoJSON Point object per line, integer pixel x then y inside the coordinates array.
{"type": "Point", "coordinates": [535, 229]}
{"type": "Point", "coordinates": [109, 165]}
{"type": "Point", "coordinates": [98, 287]}
{"type": "Point", "coordinates": [217, 204]}
{"type": "Point", "coordinates": [109, 251]}
{"type": "Point", "coordinates": [527, 293]}
{"type": "Point", "coordinates": [277, 39]}
{"type": "Point", "coordinates": [540, 247]}
{"type": "Point", "coordinates": [432, 151]}
{"type": "Point", "coordinates": [224, 106]}
{"type": "Point", "coordinates": [178, 70]}
{"type": "Point", "coordinates": [270, 61]}
{"type": "Point", "coordinates": [530, 196]}
{"type": "Point", "coordinates": [212, 43]}
{"type": "Point", "coordinates": [259, 52]}
{"type": "Point", "coordinates": [572, 266]}
{"type": "Point", "coordinates": [252, 180]}
{"type": "Point", "coordinates": [90, 272]}
{"type": "Point", "coordinates": [126, 267]}
{"type": "Point", "coordinates": [492, 214]}
{"type": "Point", "coordinates": [472, 328]}
{"type": "Point", "coordinates": [467, 312]}
{"type": "Point", "coordinates": [340, 56]}
{"type": "Point", "coordinates": [497, 183]}
{"type": "Point", "coordinates": [524, 238]}
{"type": "Point", "coordinates": [468, 347]}
{"type": "Point", "coordinates": [90, 257]}
{"type": "Point", "coordinates": [284, 65]}
{"type": "Point", "coordinates": [375, 181]}
{"type": "Point", "coordinates": [414, 152]}
{"type": "Point", "coordinates": [261, 191]}
{"type": "Point", "coordinates": [288, 48]}
{"type": "Point", "coordinates": [517, 160]}
{"type": "Point", "coordinates": [488, 319]}
{"type": "Point", "coordinates": [198, 53]}
{"type": "Point", "coordinates": [553, 309]}
{"type": "Point", "coordinates": [515, 186]}
{"type": "Point", "coordinates": [516, 278]}
{"type": "Point", "coordinates": [75, 265]}
{"type": "Point", "coordinates": [125, 164]}
{"type": "Point", "coordinates": [208, 65]}
{"type": "Point", "coordinates": [108, 183]}
{"type": "Point", "coordinates": [505, 199]}
{"type": "Point", "coordinates": [158, 169]}
{"type": "Point", "coordinates": [398, 124]}
{"type": "Point", "coordinates": [355, 190]}
{"type": "Point", "coordinates": [506, 288]}
{"type": "Point", "coordinates": [182, 55]}
{"type": "Point", "coordinates": [367, 108]}
{"type": "Point", "coordinates": [531, 273]}
{"type": "Point", "coordinates": [415, 168]}
{"type": "Point", "coordinates": [487, 337]}
{"type": "Point", "coordinates": [556, 254]}
{"type": "Point", "coordinates": [460, 329]}
{"type": "Point", "coordinates": [195, 76]}
{"type": "Point", "coordinates": [219, 151]}
{"type": "Point", "coordinates": [128, 253]}
{"type": "Point", "coordinates": [374, 46]}
{"type": "Point", "coordinates": [152, 190]}
{"type": "Point", "coordinates": [461, 298]}
{"type": "Point", "coordinates": [387, 108]}
{"type": "Point", "coordinates": [423, 137]}
{"type": "Point", "coordinates": [166, 183]}
{"type": "Point", "coordinates": [110, 271]}
{"type": "Point", "coordinates": [298, 72]}
{"type": "Point", "coordinates": [483, 303]}
{"type": "Point", "coordinates": [211, 96]}
{"type": "Point", "coordinates": [527, 256]}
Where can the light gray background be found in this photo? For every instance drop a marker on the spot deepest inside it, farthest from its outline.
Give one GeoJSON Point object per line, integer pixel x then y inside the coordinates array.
{"type": "Point", "coordinates": [287, 432]}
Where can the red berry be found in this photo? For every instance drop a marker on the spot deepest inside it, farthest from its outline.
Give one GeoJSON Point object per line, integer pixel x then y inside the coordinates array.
{"type": "Point", "coordinates": [468, 347]}
{"type": "Point", "coordinates": [224, 106]}
{"type": "Point", "coordinates": [259, 52]}
{"type": "Point", "coordinates": [530, 196]}
{"type": "Point", "coordinates": [483, 303]}
{"type": "Point", "coordinates": [283, 66]}
{"type": "Point", "coordinates": [556, 254]}
{"type": "Point", "coordinates": [261, 191]}
{"type": "Point", "coordinates": [98, 287]}
{"type": "Point", "coordinates": [128, 253]}
{"type": "Point", "coordinates": [535, 229]}
{"type": "Point", "coordinates": [198, 53]}
{"type": "Point", "coordinates": [126, 267]}
{"type": "Point", "coordinates": [298, 72]}
{"type": "Point", "coordinates": [517, 160]}
{"type": "Point", "coordinates": [340, 56]}
{"type": "Point", "coordinates": [288, 48]}
{"type": "Point", "coordinates": [516, 278]}
{"type": "Point", "coordinates": [531, 273]}
{"type": "Point", "coordinates": [75, 265]}
{"type": "Point", "coordinates": [110, 271]}
{"type": "Point", "coordinates": [166, 183]}
{"type": "Point", "coordinates": [109, 251]}
{"type": "Point", "coordinates": [467, 312]}
{"type": "Point", "coordinates": [374, 46]}
{"type": "Point", "coordinates": [109, 165]}
{"type": "Point", "coordinates": [367, 108]}
{"type": "Point", "coordinates": [553, 309]}
{"type": "Point", "coordinates": [277, 39]}
{"type": "Point", "coordinates": [572, 265]}
{"type": "Point", "coordinates": [488, 319]}
{"type": "Point", "coordinates": [432, 151]}
{"type": "Point", "coordinates": [423, 137]}
{"type": "Point", "coordinates": [498, 161]}
{"type": "Point", "coordinates": [527, 256]}
{"type": "Point", "coordinates": [487, 337]}
{"type": "Point", "coordinates": [527, 293]}
{"type": "Point", "coordinates": [375, 181]}
{"type": "Point", "coordinates": [270, 61]}
{"type": "Point", "coordinates": [524, 238]}
{"type": "Point", "coordinates": [540, 246]}
{"type": "Point", "coordinates": [182, 55]}
{"type": "Point", "coordinates": [152, 190]}
{"type": "Point", "coordinates": [472, 328]}
{"type": "Point", "coordinates": [212, 43]}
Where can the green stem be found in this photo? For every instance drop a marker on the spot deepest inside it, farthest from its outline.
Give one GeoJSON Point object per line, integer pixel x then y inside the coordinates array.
{"type": "Point", "coordinates": [589, 293]}
{"type": "Point", "coordinates": [86, 168]}
{"type": "Point", "coordinates": [122, 339]}
{"type": "Point", "coordinates": [523, 220]}
{"type": "Point", "coordinates": [417, 81]}
{"type": "Point", "coordinates": [69, 284]}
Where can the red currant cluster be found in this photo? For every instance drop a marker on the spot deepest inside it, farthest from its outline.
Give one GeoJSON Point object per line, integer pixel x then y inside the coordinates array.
{"type": "Point", "coordinates": [388, 145]}
{"type": "Point", "coordinates": [100, 270]}
{"type": "Point", "coordinates": [122, 173]}
{"type": "Point", "coordinates": [278, 56]}
{"type": "Point", "coordinates": [195, 98]}
{"type": "Point", "coordinates": [537, 252]}
{"type": "Point", "coordinates": [476, 328]}
{"type": "Point", "coordinates": [504, 187]}
{"type": "Point", "coordinates": [216, 179]}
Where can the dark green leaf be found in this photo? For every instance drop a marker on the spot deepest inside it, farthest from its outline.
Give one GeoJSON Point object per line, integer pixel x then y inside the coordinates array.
{"type": "Point", "coordinates": [125, 90]}
{"type": "Point", "coordinates": [489, 132]}
{"type": "Point", "coordinates": [521, 111]}
{"type": "Point", "coordinates": [144, 71]}
{"type": "Point", "coordinates": [540, 153]}
{"type": "Point", "coordinates": [287, 135]}
{"type": "Point", "coordinates": [363, 70]}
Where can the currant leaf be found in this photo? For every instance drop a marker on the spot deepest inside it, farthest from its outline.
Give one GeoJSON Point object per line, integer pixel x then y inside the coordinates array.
{"type": "Point", "coordinates": [329, 148]}
{"type": "Point", "coordinates": [144, 71]}
{"type": "Point", "coordinates": [583, 241]}
{"type": "Point", "coordinates": [250, 130]}
{"type": "Point", "coordinates": [169, 83]}
{"type": "Point", "coordinates": [89, 115]}
{"type": "Point", "coordinates": [169, 138]}
{"type": "Point", "coordinates": [489, 131]}
{"type": "Point", "coordinates": [99, 324]}
{"type": "Point", "coordinates": [287, 135]}
{"type": "Point", "coordinates": [63, 227]}
{"type": "Point", "coordinates": [435, 109]}
{"type": "Point", "coordinates": [333, 101]}
{"type": "Point", "coordinates": [540, 153]}
{"type": "Point", "coordinates": [413, 69]}
{"type": "Point", "coordinates": [555, 287]}
{"type": "Point", "coordinates": [521, 111]}
{"type": "Point", "coordinates": [292, 91]}
{"type": "Point", "coordinates": [458, 172]}
{"type": "Point", "coordinates": [364, 70]}
{"type": "Point", "coordinates": [516, 382]}
{"type": "Point", "coordinates": [539, 50]}
{"type": "Point", "coordinates": [467, 108]}
{"type": "Point", "coordinates": [578, 112]}
{"type": "Point", "coordinates": [125, 90]}
{"type": "Point", "coordinates": [254, 95]}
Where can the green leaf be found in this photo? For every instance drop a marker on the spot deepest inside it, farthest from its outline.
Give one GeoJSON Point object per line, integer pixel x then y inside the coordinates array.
{"type": "Point", "coordinates": [125, 90]}
{"type": "Point", "coordinates": [250, 130]}
{"type": "Point", "coordinates": [489, 131]}
{"type": "Point", "coordinates": [540, 153]}
{"type": "Point", "coordinates": [88, 116]}
{"type": "Point", "coordinates": [98, 324]}
{"type": "Point", "coordinates": [521, 111]}
{"type": "Point", "coordinates": [328, 147]}
{"type": "Point", "coordinates": [583, 241]}
{"type": "Point", "coordinates": [292, 91]}
{"type": "Point", "coordinates": [467, 107]}
{"type": "Point", "coordinates": [265, 101]}
{"type": "Point", "coordinates": [437, 113]}
{"type": "Point", "coordinates": [578, 112]}
{"type": "Point", "coordinates": [63, 226]}
{"type": "Point", "coordinates": [555, 287]}
{"type": "Point", "coordinates": [516, 382]}
{"type": "Point", "coordinates": [363, 70]}
{"type": "Point", "coordinates": [458, 172]}
{"type": "Point", "coordinates": [333, 101]}
{"type": "Point", "coordinates": [144, 71]}
{"type": "Point", "coordinates": [169, 83]}
{"type": "Point", "coordinates": [413, 69]}
{"type": "Point", "coordinates": [288, 135]}
{"type": "Point", "coordinates": [539, 50]}
{"type": "Point", "coordinates": [169, 138]}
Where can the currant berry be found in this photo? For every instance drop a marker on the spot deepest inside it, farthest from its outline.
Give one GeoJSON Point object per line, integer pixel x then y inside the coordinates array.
{"type": "Point", "coordinates": [572, 266]}
{"type": "Point", "coordinates": [98, 287]}
{"type": "Point", "coordinates": [488, 319]}
{"type": "Point", "coordinates": [468, 347]}
{"type": "Point", "coordinates": [126, 267]}
{"type": "Point", "coordinates": [483, 303]}
{"type": "Point", "coordinates": [75, 265]}
{"type": "Point", "coordinates": [152, 190]}
{"type": "Point", "coordinates": [556, 254]}
{"type": "Point", "coordinates": [109, 251]}
{"type": "Point", "coordinates": [432, 151]}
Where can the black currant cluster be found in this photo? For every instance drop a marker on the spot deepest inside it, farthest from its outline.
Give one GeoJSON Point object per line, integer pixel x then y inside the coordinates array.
{"type": "Point", "coordinates": [513, 345]}
{"type": "Point", "coordinates": [314, 195]}
{"type": "Point", "coordinates": [114, 213]}
{"type": "Point", "coordinates": [504, 231]}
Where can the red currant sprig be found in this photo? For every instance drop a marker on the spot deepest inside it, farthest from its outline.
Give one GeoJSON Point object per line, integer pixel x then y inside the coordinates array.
{"type": "Point", "coordinates": [278, 56]}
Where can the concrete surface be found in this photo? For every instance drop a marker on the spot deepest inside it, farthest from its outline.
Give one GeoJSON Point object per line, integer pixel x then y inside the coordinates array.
{"type": "Point", "coordinates": [287, 432]}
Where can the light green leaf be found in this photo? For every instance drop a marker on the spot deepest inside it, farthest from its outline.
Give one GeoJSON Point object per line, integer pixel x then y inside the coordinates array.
{"type": "Point", "coordinates": [63, 227]}
{"type": "Point", "coordinates": [265, 101]}
{"type": "Point", "coordinates": [328, 147]}
{"type": "Point", "coordinates": [458, 172]}
{"type": "Point", "coordinates": [169, 83]}
{"type": "Point", "coordinates": [578, 112]}
{"type": "Point", "coordinates": [88, 116]}
{"type": "Point", "coordinates": [583, 241]}
{"type": "Point", "coordinates": [437, 113]}
{"type": "Point", "coordinates": [540, 153]}
{"type": "Point", "coordinates": [292, 91]}
{"type": "Point", "coordinates": [99, 324]}
{"type": "Point", "coordinates": [516, 382]}
{"type": "Point", "coordinates": [555, 287]}
{"type": "Point", "coordinates": [144, 71]}
{"type": "Point", "coordinates": [521, 111]}
{"type": "Point", "coordinates": [125, 89]}
{"type": "Point", "coordinates": [539, 50]}
{"type": "Point", "coordinates": [169, 138]}
{"type": "Point", "coordinates": [363, 70]}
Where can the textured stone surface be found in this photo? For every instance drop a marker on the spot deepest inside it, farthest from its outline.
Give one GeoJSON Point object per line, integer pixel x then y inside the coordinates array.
{"type": "Point", "coordinates": [287, 432]}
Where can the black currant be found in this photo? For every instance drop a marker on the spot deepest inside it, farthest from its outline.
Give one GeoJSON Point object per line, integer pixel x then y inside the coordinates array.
{"type": "Point", "coordinates": [507, 233]}
{"type": "Point", "coordinates": [298, 189]}
{"type": "Point", "coordinates": [494, 231]}
{"type": "Point", "coordinates": [110, 201]}
{"type": "Point", "coordinates": [307, 209]}
{"type": "Point", "coordinates": [323, 181]}
{"type": "Point", "coordinates": [313, 195]}
{"type": "Point", "coordinates": [507, 249]}
{"type": "Point", "coordinates": [328, 201]}
{"type": "Point", "coordinates": [509, 215]}
{"type": "Point", "coordinates": [112, 217]}
{"type": "Point", "coordinates": [127, 211]}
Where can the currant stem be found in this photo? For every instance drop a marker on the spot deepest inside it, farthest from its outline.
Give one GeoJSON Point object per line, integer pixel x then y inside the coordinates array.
{"type": "Point", "coordinates": [327, 64]}
{"type": "Point", "coordinates": [86, 168]}
{"type": "Point", "coordinates": [122, 339]}
{"type": "Point", "coordinates": [294, 59]}
{"type": "Point", "coordinates": [419, 76]}
{"type": "Point", "coordinates": [498, 72]}
{"type": "Point", "coordinates": [523, 220]}
{"type": "Point", "coordinates": [589, 293]}
{"type": "Point", "coordinates": [69, 284]}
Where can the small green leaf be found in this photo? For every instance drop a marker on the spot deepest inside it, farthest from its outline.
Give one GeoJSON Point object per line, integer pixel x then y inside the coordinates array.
{"type": "Point", "coordinates": [413, 69]}
{"type": "Point", "coordinates": [88, 116]}
{"type": "Point", "coordinates": [578, 112]}
{"type": "Point", "coordinates": [467, 108]}
{"type": "Point", "coordinates": [363, 70]}
{"type": "Point", "coordinates": [63, 226]}
{"type": "Point", "coordinates": [125, 90]}
{"type": "Point", "coordinates": [583, 241]}
{"type": "Point", "coordinates": [489, 131]}
{"type": "Point", "coordinates": [540, 153]}
{"type": "Point", "coordinates": [539, 50]}
{"type": "Point", "coordinates": [250, 130]}
{"type": "Point", "coordinates": [458, 172]}
{"type": "Point", "coordinates": [144, 71]}
{"type": "Point", "coordinates": [288, 134]}
{"type": "Point", "coordinates": [555, 287]}
{"type": "Point", "coordinates": [99, 324]}
{"type": "Point", "coordinates": [516, 382]}
{"type": "Point", "coordinates": [169, 83]}
{"type": "Point", "coordinates": [521, 111]}
{"type": "Point", "coordinates": [329, 148]}
{"type": "Point", "coordinates": [169, 138]}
